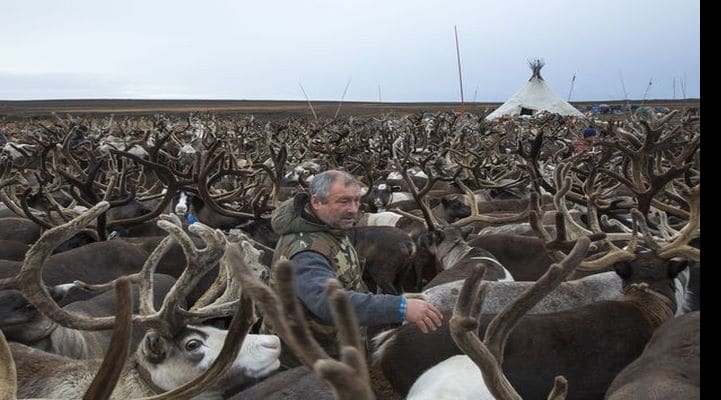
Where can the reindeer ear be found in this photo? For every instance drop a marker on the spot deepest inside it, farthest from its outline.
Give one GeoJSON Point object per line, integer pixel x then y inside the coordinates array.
{"type": "Point", "coordinates": [154, 347]}
{"type": "Point", "coordinates": [424, 239]}
{"type": "Point", "coordinates": [675, 266]}
{"type": "Point", "coordinates": [466, 230]}
{"type": "Point", "coordinates": [196, 202]}
{"type": "Point", "coordinates": [60, 292]}
{"type": "Point", "coordinates": [623, 269]}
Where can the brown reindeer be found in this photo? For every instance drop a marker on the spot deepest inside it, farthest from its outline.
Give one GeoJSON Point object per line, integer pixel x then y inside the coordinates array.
{"type": "Point", "coordinates": [669, 367]}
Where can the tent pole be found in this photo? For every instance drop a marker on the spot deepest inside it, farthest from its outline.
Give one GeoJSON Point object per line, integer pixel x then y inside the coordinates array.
{"type": "Point", "coordinates": [341, 99]}
{"type": "Point", "coordinates": [308, 100]}
{"type": "Point", "coordinates": [571, 89]}
{"type": "Point", "coordinates": [646, 92]}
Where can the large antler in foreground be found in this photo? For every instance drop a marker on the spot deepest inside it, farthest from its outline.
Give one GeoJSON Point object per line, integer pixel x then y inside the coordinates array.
{"type": "Point", "coordinates": [348, 377]}
{"type": "Point", "coordinates": [171, 316]}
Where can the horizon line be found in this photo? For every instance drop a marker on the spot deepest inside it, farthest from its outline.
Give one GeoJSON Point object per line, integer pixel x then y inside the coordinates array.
{"type": "Point", "coordinates": [320, 100]}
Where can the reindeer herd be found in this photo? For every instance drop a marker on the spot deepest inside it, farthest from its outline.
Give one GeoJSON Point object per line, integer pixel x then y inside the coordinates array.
{"type": "Point", "coordinates": [135, 252]}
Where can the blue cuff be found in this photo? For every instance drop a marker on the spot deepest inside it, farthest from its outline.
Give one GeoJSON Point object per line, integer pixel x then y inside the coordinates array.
{"type": "Point", "coordinates": [191, 218]}
{"type": "Point", "coordinates": [402, 308]}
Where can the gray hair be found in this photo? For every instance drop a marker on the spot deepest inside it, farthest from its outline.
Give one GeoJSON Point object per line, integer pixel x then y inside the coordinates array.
{"type": "Point", "coordinates": [321, 183]}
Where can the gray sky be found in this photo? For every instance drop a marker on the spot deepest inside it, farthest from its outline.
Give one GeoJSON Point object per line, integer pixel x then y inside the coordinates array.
{"type": "Point", "coordinates": [52, 49]}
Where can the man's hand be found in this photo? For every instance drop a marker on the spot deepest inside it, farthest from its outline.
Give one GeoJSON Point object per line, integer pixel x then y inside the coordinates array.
{"type": "Point", "coordinates": [423, 314]}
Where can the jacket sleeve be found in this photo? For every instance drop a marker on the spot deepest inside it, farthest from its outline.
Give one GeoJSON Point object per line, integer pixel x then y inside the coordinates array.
{"type": "Point", "coordinates": [312, 271]}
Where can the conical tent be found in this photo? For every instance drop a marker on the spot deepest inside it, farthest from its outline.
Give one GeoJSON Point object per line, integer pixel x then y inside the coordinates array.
{"type": "Point", "coordinates": [533, 97]}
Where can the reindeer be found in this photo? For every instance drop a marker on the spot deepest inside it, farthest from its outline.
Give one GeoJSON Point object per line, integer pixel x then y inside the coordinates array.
{"type": "Point", "coordinates": [668, 368]}
{"type": "Point", "coordinates": [107, 375]}
{"type": "Point", "coordinates": [488, 353]}
{"type": "Point", "coordinates": [299, 383]}
{"type": "Point", "coordinates": [609, 334]}
{"type": "Point", "coordinates": [23, 323]}
{"type": "Point", "coordinates": [388, 253]}
{"type": "Point", "coordinates": [174, 349]}
{"type": "Point", "coordinates": [12, 250]}
{"type": "Point", "coordinates": [445, 248]}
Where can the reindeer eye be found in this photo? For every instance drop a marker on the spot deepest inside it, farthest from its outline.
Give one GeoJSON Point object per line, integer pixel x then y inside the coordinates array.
{"type": "Point", "coordinates": [193, 344]}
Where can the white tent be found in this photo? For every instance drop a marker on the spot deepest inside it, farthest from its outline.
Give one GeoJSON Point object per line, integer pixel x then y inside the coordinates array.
{"type": "Point", "coordinates": [533, 97]}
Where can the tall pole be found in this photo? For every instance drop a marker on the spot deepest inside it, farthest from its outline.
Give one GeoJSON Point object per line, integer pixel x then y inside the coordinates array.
{"type": "Point", "coordinates": [337, 110]}
{"type": "Point", "coordinates": [683, 85]}
{"type": "Point", "coordinates": [308, 100]}
{"type": "Point", "coordinates": [646, 92]}
{"type": "Point", "coordinates": [380, 99]}
{"type": "Point", "coordinates": [460, 77]}
{"type": "Point", "coordinates": [625, 94]}
{"type": "Point", "coordinates": [674, 88]}
{"type": "Point", "coordinates": [571, 89]}
{"type": "Point", "coordinates": [623, 86]}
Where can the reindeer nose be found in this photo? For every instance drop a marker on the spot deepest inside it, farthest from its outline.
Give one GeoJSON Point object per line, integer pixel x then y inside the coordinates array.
{"type": "Point", "coordinates": [271, 342]}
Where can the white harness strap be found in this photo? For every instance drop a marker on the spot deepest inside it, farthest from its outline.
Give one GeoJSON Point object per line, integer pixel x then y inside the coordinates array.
{"type": "Point", "coordinates": [508, 276]}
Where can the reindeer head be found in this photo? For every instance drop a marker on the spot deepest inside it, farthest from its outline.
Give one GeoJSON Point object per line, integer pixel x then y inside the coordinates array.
{"type": "Point", "coordinates": [171, 361]}
{"type": "Point", "coordinates": [16, 313]}
{"type": "Point", "coordinates": [652, 273]}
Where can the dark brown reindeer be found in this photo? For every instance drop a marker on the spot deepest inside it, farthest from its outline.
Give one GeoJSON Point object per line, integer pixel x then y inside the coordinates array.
{"type": "Point", "coordinates": [12, 250]}
{"type": "Point", "coordinates": [669, 367]}
{"type": "Point", "coordinates": [94, 263]}
{"type": "Point", "coordinates": [388, 254]}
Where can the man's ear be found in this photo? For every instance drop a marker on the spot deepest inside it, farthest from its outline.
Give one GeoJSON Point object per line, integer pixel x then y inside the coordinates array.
{"type": "Point", "coordinates": [314, 202]}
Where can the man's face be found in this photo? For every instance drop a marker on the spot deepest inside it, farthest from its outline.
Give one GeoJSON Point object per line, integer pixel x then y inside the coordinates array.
{"type": "Point", "coordinates": [341, 208]}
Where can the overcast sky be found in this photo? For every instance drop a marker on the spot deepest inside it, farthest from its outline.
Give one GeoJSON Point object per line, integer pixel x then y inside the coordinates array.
{"type": "Point", "coordinates": [405, 50]}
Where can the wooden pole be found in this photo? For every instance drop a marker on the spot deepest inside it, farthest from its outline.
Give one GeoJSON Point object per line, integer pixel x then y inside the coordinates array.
{"type": "Point", "coordinates": [674, 88]}
{"type": "Point", "coordinates": [683, 85]}
{"type": "Point", "coordinates": [460, 77]}
{"type": "Point", "coordinates": [625, 94]}
{"type": "Point", "coordinates": [571, 89]}
{"type": "Point", "coordinates": [308, 100]}
{"type": "Point", "coordinates": [646, 92]}
{"type": "Point", "coordinates": [337, 110]}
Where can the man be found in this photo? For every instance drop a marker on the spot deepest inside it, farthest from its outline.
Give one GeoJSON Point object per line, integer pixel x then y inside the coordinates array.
{"type": "Point", "coordinates": [312, 228]}
{"type": "Point", "coordinates": [585, 144]}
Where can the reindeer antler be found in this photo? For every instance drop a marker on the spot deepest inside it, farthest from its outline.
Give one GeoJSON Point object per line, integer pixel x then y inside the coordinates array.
{"type": "Point", "coordinates": [488, 354]}
{"type": "Point", "coordinates": [347, 377]}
